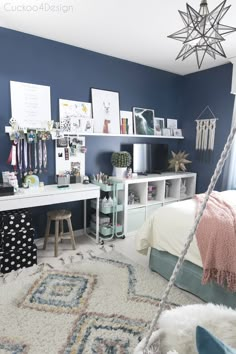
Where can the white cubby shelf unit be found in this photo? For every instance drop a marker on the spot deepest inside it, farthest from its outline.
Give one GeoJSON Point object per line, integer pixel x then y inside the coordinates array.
{"type": "Point", "coordinates": [145, 194]}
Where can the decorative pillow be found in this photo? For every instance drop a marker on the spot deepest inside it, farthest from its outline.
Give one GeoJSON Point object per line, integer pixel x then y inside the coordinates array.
{"type": "Point", "coordinates": [207, 343]}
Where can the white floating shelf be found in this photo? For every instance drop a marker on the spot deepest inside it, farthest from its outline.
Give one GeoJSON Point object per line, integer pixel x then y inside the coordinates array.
{"type": "Point", "coordinates": [9, 129]}
{"type": "Point", "coordinates": [132, 136]}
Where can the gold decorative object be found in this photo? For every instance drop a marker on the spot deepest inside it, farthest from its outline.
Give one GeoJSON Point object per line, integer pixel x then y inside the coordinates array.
{"type": "Point", "coordinates": [178, 161]}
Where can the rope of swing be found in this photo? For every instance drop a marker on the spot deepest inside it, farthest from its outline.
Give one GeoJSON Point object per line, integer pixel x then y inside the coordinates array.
{"type": "Point", "coordinates": [214, 178]}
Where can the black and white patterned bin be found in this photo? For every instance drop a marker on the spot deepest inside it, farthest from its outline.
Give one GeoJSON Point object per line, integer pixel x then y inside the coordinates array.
{"type": "Point", "coordinates": [21, 258]}
{"type": "Point", "coordinates": [17, 247]}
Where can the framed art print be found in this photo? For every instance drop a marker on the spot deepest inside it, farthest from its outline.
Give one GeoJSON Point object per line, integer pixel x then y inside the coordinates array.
{"type": "Point", "coordinates": [172, 124]}
{"type": "Point", "coordinates": [106, 111]}
{"type": "Point", "coordinates": [143, 121]}
{"type": "Point", "coordinates": [178, 132]}
{"type": "Point", "coordinates": [126, 122]}
{"type": "Point", "coordinates": [159, 125]}
{"type": "Point", "coordinates": [71, 112]}
{"type": "Point", "coordinates": [166, 132]}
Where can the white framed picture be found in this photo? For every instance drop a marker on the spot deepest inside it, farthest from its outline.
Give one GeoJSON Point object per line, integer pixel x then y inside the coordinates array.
{"type": "Point", "coordinates": [30, 105]}
{"type": "Point", "coordinates": [71, 112]}
{"type": "Point", "coordinates": [177, 132]}
{"type": "Point", "coordinates": [166, 132]}
{"type": "Point", "coordinates": [106, 111]}
{"type": "Point", "coordinates": [172, 124]}
{"type": "Point", "coordinates": [159, 125]}
{"type": "Point", "coordinates": [143, 121]}
{"type": "Point", "coordinates": [126, 122]}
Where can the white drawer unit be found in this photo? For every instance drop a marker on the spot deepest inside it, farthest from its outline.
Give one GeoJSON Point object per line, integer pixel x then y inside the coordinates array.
{"type": "Point", "coordinates": [150, 209]}
{"type": "Point", "coordinates": [136, 218]}
{"type": "Point", "coordinates": [143, 195]}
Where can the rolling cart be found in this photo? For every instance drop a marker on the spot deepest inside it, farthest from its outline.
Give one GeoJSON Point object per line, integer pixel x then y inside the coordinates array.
{"type": "Point", "coordinates": [113, 228]}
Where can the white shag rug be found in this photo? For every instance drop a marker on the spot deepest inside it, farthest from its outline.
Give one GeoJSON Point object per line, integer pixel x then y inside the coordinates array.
{"type": "Point", "coordinates": [100, 304]}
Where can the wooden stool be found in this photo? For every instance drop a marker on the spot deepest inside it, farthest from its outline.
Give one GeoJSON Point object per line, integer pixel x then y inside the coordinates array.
{"type": "Point", "coordinates": [59, 216]}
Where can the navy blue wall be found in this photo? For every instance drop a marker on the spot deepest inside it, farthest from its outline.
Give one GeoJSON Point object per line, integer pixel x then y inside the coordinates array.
{"type": "Point", "coordinates": [207, 88]}
{"type": "Point", "coordinates": [71, 72]}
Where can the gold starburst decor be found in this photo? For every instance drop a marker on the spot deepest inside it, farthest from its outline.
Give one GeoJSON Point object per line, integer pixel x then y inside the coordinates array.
{"type": "Point", "coordinates": [178, 161]}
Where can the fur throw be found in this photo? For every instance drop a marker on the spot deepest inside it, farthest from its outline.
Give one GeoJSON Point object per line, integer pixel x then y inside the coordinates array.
{"type": "Point", "coordinates": [177, 327]}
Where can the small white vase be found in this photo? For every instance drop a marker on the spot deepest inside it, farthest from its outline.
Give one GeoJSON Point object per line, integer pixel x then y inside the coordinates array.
{"type": "Point", "coordinates": [119, 172]}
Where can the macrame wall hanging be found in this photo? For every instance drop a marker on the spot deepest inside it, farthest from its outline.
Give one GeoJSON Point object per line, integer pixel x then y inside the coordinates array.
{"type": "Point", "coordinates": [205, 136]}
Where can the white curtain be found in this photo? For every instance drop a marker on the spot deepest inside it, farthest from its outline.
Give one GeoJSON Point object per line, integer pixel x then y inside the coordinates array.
{"type": "Point", "coordinates": [229, 179]}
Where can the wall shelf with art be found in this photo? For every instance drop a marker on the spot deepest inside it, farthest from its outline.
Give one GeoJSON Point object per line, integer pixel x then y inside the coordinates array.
{"type": "Point", "coordinates": [133, 135]}
{"type": "Point", "coordinates": [103, 117]}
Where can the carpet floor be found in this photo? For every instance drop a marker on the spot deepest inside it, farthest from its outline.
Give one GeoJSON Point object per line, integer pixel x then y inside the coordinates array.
{"type": "Point", "coordinates": [100, 304]}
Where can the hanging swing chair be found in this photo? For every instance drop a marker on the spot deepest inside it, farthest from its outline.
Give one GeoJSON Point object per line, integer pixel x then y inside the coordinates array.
{"type": "Point", "coordinates": [151, 344]}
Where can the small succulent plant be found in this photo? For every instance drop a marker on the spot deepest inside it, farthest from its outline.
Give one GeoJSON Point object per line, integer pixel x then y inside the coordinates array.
{"type": "Point", "coordinates": [178, 161]}
{"type": "Point", "coordinates": [121, 159]}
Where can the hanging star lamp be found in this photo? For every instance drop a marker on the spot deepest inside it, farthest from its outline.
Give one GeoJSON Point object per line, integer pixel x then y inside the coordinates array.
{"type": "Point", "coordinates": [203, 32]}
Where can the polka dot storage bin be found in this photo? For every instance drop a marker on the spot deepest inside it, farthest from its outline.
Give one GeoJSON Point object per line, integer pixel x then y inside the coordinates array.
{"type": "Point", "coordinates": [16, 259]}
{"type": "Point", "coordinates": [14, 220]}
{"type": "Point", "coordinates": [13, 240]}
{"type": "Point", "coordinates": [17, 247]}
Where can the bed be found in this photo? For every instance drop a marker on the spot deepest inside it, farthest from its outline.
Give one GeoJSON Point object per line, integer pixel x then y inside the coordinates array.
{"type": "Point", "coordinates": [165, 233]}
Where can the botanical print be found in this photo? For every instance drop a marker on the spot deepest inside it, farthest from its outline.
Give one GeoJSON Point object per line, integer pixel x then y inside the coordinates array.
{"type": "Point", "coordinates": [143, 121]}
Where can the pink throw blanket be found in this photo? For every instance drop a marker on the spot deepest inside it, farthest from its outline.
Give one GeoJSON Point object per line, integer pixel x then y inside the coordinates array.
{"type": "Point", "coordinates": [216, 238]}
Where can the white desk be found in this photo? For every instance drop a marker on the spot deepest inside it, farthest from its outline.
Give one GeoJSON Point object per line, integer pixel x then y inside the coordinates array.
{"type": "Point", "coordinates": [50, 195]}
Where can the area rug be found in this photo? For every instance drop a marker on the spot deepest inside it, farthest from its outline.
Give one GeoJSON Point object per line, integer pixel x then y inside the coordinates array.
{"type": "Point", "coordinates": [102, 304]}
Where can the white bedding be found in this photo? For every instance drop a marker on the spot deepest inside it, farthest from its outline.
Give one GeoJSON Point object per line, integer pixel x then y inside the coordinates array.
{"type": "Point", "coordinates": [168, 228]}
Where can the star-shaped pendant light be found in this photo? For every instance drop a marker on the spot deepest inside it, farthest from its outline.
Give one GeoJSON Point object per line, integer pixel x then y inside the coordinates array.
{"type": "Point", "coordinates": [203, 32]}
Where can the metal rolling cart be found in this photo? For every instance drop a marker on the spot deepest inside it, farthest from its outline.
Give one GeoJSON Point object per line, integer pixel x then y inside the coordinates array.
{"type": "Point", "coordinates": [112, 229]}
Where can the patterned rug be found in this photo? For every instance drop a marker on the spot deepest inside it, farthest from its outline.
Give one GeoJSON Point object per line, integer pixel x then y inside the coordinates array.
{"type": "Point", "coordinates": [98, 305]}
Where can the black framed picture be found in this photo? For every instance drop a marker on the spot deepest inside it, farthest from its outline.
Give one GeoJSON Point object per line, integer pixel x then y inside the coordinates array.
{"type": "Point", "coordinates": [143, 121]}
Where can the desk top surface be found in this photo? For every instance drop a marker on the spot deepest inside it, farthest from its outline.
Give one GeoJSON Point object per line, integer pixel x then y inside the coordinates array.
{"type": "Point", "coordinates": [51, 190]}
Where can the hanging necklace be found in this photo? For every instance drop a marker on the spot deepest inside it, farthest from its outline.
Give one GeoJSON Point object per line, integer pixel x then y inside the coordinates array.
{"type": "Point", "coordinates": [40, 156]}
{"type": "Point", "coordinates": [30, 158]}
{"type": "Point", "coordinates": [25, 156]}
{"type": "Point", "coordinates": [44, 155]}
{"type": "Point", "coordinates": [35, 158]}
{"type": "Point", "coordinates": [19, 156]}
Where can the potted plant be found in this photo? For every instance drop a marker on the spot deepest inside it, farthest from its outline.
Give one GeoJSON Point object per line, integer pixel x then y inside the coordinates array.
{"type": "Point", "coordinates": [120, 161]}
